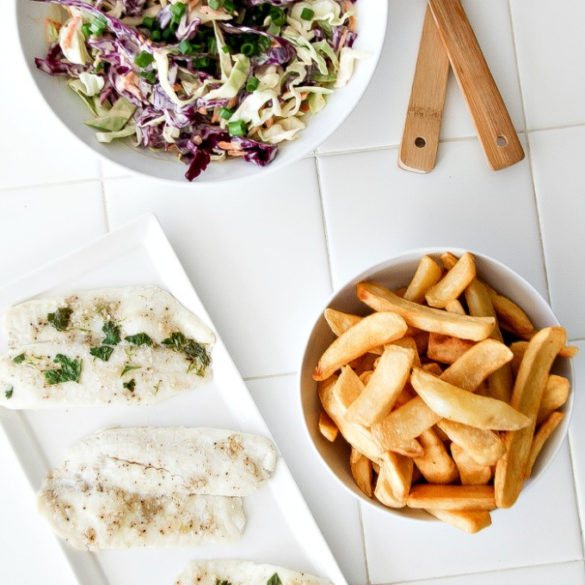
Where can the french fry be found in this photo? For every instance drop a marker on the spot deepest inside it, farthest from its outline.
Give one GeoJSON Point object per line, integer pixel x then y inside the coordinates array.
{"type": "Point", "coordinates": [365, 376]}
{"type": "Point", "coordinates": [449, 260]}
{"type": "Point", "coordinates": [462, 406]}
{"type": "Point", "coordinates": [519, 347]}
{"type": "Point", "coordinates": [364, 363]}
{"type": "Point", "coordinates": [482, 360]}
{"type": "Point", "coordinates": [470, 521]}
{"type": "Point", "coordinates": [340, 322]}
{"type": "Point", "coordinates": [374, 330]}
{"type": "Point", "coordinates": [327, 427]}
{"type": "Point", "coordinates": [480, 304]}
{"type": "Point", "coordinates": [544, 431]}
{"type": "Point", "coordinates": [432, 368]}
{"type": "Point", "coordinates": [455, 306]}
{"type": "Point", "coordinates": [451, 497]}
{"type": "Point", "coordinates": [512, 317]}
{"type": "Point", "coordinates": [394, 480]}
{"type": "Point", "coordinates": [470, 471]}
{"type": "Point", "coordinates": [383, 387]}
{"type": "Point", "coordinates": [435, 465]}
{"type": "Point", "coordinates": [526, 396]}
{"type": "Point", "coordinates": [556, 393]}
{"type": "Point", "coordinates": [453, 283]}
{"type": "Point", "coordinates": [446, 348]}
{"type": "Point", "coordinates": [408, 343]}
{"type": "Point", "coordinates": [427, 274]}
{"type": "Point", "coordinates": [361, 470]}
{"type": "Point", "coordinates": [380, 298]}
{"type": "Point", "coordinates": [483, 445]}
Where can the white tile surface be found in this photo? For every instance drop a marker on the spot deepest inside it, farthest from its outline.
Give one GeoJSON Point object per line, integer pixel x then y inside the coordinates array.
{"type": "Point", "coordinates": [44, 222]}
{"type": "Point", "coordinates": [379, 119]}
{"type": "Point", "coordinates": [557, 157]}
{"type": "Point", "coordinates": [378, 210]}
{"type": "Point", "coordinates": [256, 254]}
{"type": "Point", "coordinates": [335, 510]}
{"type": "Point", "coordinates": [551, 50]}
{"type": "Point", "coordinates": [573, 573]}
{"type": "Point", "coordinates": [576, 430]}
{"type": "Point", "coordinates": [541, 528]}
{"type": "Point", "coordinates": [35, 147]}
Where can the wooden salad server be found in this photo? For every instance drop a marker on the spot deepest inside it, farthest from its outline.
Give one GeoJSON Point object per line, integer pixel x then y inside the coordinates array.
{"type": "Point", "coordinates": [420, 138]}
{"type": "Point", "coordinates": [490, 116]}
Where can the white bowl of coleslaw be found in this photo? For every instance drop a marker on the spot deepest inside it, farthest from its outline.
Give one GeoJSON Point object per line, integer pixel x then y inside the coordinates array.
{"type": "Point", "coordinates": [233, 88]}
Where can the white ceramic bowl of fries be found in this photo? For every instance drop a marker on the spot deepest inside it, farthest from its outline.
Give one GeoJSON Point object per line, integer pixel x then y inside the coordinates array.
{"type": "Point", "coordinates": [431, 402]}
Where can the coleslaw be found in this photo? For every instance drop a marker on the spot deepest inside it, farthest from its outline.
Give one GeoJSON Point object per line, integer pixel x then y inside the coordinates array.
{"type": "Point", "coordinates": [205, 79]}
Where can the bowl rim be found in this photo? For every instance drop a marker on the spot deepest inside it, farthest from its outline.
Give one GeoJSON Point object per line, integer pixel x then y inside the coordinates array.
{"type": "Point", "coordinates": [407, 514]}
{"type": "Point", "coordinates": [108, 154]}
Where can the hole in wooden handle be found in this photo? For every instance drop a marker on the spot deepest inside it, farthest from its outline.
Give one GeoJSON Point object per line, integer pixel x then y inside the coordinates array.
{"type": "Point", "coordinates": [420, 142]}
{"type": "Point", "coordinates": [501, 141]}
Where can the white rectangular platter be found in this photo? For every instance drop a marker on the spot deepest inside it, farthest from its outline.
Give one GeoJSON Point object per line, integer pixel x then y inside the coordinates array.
{"type": "Point", "coordinates": [280, 528]}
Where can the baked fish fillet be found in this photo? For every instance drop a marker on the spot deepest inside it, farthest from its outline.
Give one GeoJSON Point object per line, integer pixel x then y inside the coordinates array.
{"type": "Point", "coordinates": [44, 375]}
{"type": "Point", "coordinates": [93, 517]}
{"type": "Point", "coordinates": [154, 460]}
{"type": "Point", "coordinates": [237, 572]}
{"type": "Point", "coordinates": [80, 317]}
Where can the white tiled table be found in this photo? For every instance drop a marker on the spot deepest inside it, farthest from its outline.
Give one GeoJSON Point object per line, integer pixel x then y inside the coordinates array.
{"type": "Point", "coordinates": [264, 258]}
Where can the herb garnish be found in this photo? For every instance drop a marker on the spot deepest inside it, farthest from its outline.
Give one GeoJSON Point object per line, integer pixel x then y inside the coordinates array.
{"type": "Point", "coordinates": [8, 392]}
{"type": "Point", "coordinates": [130, 385]}
{"type": "Point", "coordinates": [196, 352]}
{"type": "Point", "coordinates": [112, 332]}
{"type": "Point", "coordinates": [60, 318]}
{"type": "Point", "coordinates": [128, 368]}
{"type": "Point", "coordinates": [274, 580]}
{"type": "Point", "coordinates": [103, 352]}
{"type": "Point", "coordinates": [19, 358]}
{"type": "Point", "coordinates": [139, 339]}
{"type": "Point", "coordinates": [70, 370]}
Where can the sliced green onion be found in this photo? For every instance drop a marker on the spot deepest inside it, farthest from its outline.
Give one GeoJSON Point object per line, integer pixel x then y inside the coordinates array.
{"type": "Point", "coordinates": [278, 15]}
{"type": "Point", "coordinates": [167, 34]}
{"type": "Point", "coordinates": [229, 6]}
{"type": "Point", "coordinates": [149, 76]}
{"type": "Point", "coordinates": [143, 59]}
{"type": "Point", "coordinates": [307, 14]}
{"type": "Point", "coordinates": [247, 49]}
{"type": "Point", "coordinates": [252, 84]}
{"type": "Point", "coordinates": [155, 35]}
{"type": "Point", "coordinates": [264, 42]}
{"type": "Point", "coordinates": [237, 128]}
{"type": "Point", "coordinates": [185, 47]}
{"type": "Point", "coordinates": [98, 26]}
{"type": "Point", "coordinates": [225, 113]}
{"type": "Point", "coordinates": [212, 46]}
{"type": "Point", "coordinates": [148, 22]}
{"type": "Point", "coordinates": [177, 10]}
{"type": "Point", "coordinates": [214, 4]}
{"type": "Point", "coordinates": [226, 49]}
{"type": "Point", "coordinates": [86, 30]}
{"type": "Point", "coordinates": [201, 62]}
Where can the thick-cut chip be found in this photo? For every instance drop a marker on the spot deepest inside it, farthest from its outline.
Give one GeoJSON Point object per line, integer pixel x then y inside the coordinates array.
{"type": "Point", "coordinates": [432, 368]}
{"type": "Point", "coordinates": [455, 306]}
{"type": "Point", "coordinates": [453, 283]}
{"type": "Point", "coordinates": [340, 322]}
{"type": "Point", "coordinates": [540, 438]}
{"type": "Point", "coordinates": [383, 387]}
{"type": "Point", "coordinates": [519, 347]}
{"type": "Point", "coordinates": [526, 396]}
{"type": "Point", "coordinates": [372, 331]}
{"type": "Point", "coordinates": [477, 364]}
{"type": "Point", "coordinates": [470, 471]}
{"type": "Point", "coordinates": [394, 480]}
{"type": "Point", "coordinates": [435, 465]}
{"type": "Point", "coordinates": [427, 274]}
{"type": "Point", "coordinates": [555, 395]}
{"type": "Point", "coordinates": [512, 317]}
{"type": "Point", "coordinates": [480, 304]}
{"type": "Point", "coordinates": [483, 445]}
{"type": "Point", "coordinates": [449, 260]}
{"type": "Point", "coordinates": [327, 427]}
{"type": "Point", "coordinates": [460, 405]}
{"type": "Point", "coordinates": [470, 521]}
{"type": "Point", "coordinates": [452, 497]}
{"type": "Point", "coordinates": [446, 348]}
{"type": "Point", "coordinates": [361, 470]}
{"type": "Point", "coordinates": [409, 343]}
{"type": "Point", "coordinates": [380, 298]}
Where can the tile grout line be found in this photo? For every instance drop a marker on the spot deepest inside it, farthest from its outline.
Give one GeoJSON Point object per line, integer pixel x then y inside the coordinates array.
{"type": "Point", "coordinates": [324, 220]}
{"type": "Point", "coordinates": [529, 152]}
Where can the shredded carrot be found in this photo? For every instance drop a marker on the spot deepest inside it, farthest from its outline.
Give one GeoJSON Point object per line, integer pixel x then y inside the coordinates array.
{"type": "Point", "coordinates": [215, 116]}
{"type": "Point", "coordinates": [269, 123]}
{"type": "Point", "coordinates": [347, 7]}
{"type": "Point", "coordinates": [232, 102]}
{"type": "Point", "coordinates": [304, 95]}
{"type": "Point", "coordinates": [236, 153]}
{"type": "Point", "coordinates": [229, 145]}
{"type": "Point", "coordinates": [343, 39]}
{"type": "Point", "coordinates": [202, 110]}
{"type": "Point", "coordinates": [305, 108]}
{"type": "Point", "coordinates": [70, 31]}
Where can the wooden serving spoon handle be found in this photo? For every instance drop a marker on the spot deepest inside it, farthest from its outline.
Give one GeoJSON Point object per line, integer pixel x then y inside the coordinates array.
{"type": "Point", "coordinates": [490, 116]}
{"type": "Point", "coordinates": [420, 138]}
